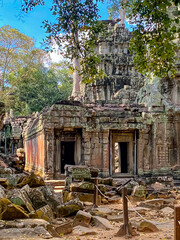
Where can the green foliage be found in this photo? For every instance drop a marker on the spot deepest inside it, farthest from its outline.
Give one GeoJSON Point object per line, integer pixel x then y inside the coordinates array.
{"type": "Point", "coordinates": [155, 31]}
{"type": "Point", "coordinates": [27, 85]}
{"type": "Point", "coordinates": [75, 30]}
{"type": "Point", "coordinates": [13, 47]}
{"type": "Point", "coordinates": [34, 87]}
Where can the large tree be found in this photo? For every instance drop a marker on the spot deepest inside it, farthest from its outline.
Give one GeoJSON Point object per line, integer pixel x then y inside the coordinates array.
{"type": "Point", "coordinates": [35, 87]}
{"type": "Point", "coordinates": [29, 81]}
{"type": "Point", "coordinates": [13, 47]}
{"type": "Point", "coordinates": [75, 30]}
{"type": "Point", "coordinates": [155, 31]}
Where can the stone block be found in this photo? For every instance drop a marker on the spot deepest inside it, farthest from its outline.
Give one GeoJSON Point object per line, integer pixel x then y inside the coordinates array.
{"type": "Point", "coordinates": [82, 219]}
{"type": "Point", "coordinates": [10, 211]}
{"type": "Point", "coordinates": [86, 197]}
{"type": "Point", "coordinates": [45, 213]}
{"type": "Point", "coordinates": [102, 223]}
{"type": "Point", "coordinates": [81, 173]}
{"type": "Point", "coordinates": [147, 227]}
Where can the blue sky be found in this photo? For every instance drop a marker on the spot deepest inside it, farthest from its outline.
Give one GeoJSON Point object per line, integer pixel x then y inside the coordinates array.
{"type": "Point", "coordinates": [30, 24]}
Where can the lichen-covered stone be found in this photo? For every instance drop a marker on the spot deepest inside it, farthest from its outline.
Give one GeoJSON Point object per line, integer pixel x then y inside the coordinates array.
{"type": "Point", "coordinates": [82, 219]}
{"type": "Point", "coordinates": [20, 198]}
{"type": "Point", "coordinates": [45, 213]}
{"type": "Point", "coordinates": [33, 181]}
{"type": "Point", "coordinates": [10, 211]}
{"type": "Point", "coordinates": [147, 227]}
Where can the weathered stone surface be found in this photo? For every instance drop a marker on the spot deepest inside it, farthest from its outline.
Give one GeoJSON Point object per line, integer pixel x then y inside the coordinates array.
{"type": "Point", "coordinates": [157, 186]}
{"type": "Point", "coordinates": [37, 198]}
{"type": "Point", "coordinates": [28, 233]}
{"type": "Point", "coordinates": [10, 211]}
{"type": "Point", "coordinates": [2, 192]}
{"type": "Point", "coordinates": [80, 172]}
{"type": "Point", "coordinates": [157, 203]}
{"type": "Point", "coordinates": [64, 228]}
{"type": "Point", "coordinates": [5, 170]}
{"type": "Point", "coordinates": [81, 187]}
{"type": "Point", "coordinates": [139, 192]}
{"type": "Point", "coordinates": [45, 213]}
{"type": "Point", "coordinates": [20, 198]}
{"type": "Point", "coordinates": [24, 223]}
{"type": "Point", "coordinates": [82, 219]}
{"type": "Point", "coordinates": [67, 210]}
{"type": "Point", "coordinates": [115, 218]}
{"type": "Point", "coordinates": [52, 199]}
{"type": "Point", "coordinates": [102, 223]}
{"type": "Point", "coordinates": [167, 210]}
{"type": "Point", "coordinates": [4, 182]}
{"type": "Point", "coordinates": [147, 227]}
{"type": "Point", "coordinates": [33, 181]}
{"type": "Point", "coordinates": [85, 197]}
{"type": "Point", "coordinates": [80, 230]}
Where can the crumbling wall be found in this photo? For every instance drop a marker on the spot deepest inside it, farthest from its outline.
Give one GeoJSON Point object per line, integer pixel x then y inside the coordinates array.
{"type": "Point", "coordinates": [35, 153]}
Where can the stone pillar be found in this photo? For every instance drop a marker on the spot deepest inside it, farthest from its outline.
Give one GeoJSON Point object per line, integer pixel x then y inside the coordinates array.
{"type": "Point", "coordinates": [105, 153]}
{"type": "Point", "coordinates": [49, 164]}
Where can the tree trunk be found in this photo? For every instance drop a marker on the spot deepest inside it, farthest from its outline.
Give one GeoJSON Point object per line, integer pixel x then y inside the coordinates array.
{"type": "Point", "coordinates": [76, 77]}
{"type": "Point", "coordinates": [77, 70]}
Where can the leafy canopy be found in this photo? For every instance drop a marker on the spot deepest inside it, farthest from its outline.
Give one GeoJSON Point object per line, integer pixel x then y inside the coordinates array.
{"type": "Point", "coordinates": [75, 29]}
{"type": "Point", "coordinates": [26, 84]}
{"type": "Point", "coordinates": [154, 39]}
{"type": "Point", "coordinates": [155, 32]}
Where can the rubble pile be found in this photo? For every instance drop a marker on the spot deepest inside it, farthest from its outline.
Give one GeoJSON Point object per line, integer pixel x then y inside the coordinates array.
{"type": "Point", "coordinates": [32, 207]}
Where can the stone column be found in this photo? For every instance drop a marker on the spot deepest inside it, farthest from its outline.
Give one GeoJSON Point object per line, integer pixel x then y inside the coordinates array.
{"type": "Point", "coordinates": [49, 160]}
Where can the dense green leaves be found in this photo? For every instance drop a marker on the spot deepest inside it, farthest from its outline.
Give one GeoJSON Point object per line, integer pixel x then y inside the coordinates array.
{"type": "Point", "coordinates": [36, 87]}
{"type": "Point", "coordinates": [26, 84]}
{"type": "Point", "coordinates": [155, 31]}
{"type": "Point", "coordinates": [75, 30]}
{"type": "Point", "coordinates": [14, 46]}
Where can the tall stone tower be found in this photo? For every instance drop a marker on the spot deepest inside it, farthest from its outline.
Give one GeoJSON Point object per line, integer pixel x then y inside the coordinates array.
{"type": "Point", "coordinates": [121, 82]}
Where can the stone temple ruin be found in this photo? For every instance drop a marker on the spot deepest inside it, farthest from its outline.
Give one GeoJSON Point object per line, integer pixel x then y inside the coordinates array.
{"type": "Point", "coordinates": [122, 126]}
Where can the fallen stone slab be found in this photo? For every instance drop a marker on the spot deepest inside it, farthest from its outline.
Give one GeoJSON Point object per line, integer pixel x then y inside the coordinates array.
{"type": "Point", "coordinates": [45, 213]}
{"type": "Point", "coordinates": [69, 208]}
{"type": "Point", "coordinates": [80, 230]}
{"type": "Point", "coordinates": [157, 203]}
{"type": "Point", "coordinates": [32, 180]}
{"type": "Point", "coordinates": [10, 211]}
{"type": "Point", "coordinates": [85, 197]}
{"type": "Point", "coordinates": [36, 232]}
{"type": "Point", "coordinates": [59, 230]}
{"type": "Point", "coordinates": [167, 210]}
{"type": "Point", "coordinates": [82, 219]}
{"type": "Point", "coordinates": [21, 198]}
{"type": "Point", "coordinates": [52, 199]}
{"type": "Point", "coordinates": [115, 218]}
{"type": "Point", "coordinates": [37, 198]}
{"type": "Point", "coordinates": [24, 223]}
{"type": "Point", "coordinates": [101, 223]}
{"type": "Point", "coordinates": [147, 227]}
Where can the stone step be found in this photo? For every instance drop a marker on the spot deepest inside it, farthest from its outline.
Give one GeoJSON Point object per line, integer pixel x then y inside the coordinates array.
{"type": "Point", "coordinates": [55, 182]}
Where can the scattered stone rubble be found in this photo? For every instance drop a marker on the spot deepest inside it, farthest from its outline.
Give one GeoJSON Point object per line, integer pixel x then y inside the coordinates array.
{"type": "Point", "coordinates": [32, 207]}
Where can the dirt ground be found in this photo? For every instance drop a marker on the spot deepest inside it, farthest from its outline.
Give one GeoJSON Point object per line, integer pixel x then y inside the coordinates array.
{"type": "Point", "coordinates": [165, 223]}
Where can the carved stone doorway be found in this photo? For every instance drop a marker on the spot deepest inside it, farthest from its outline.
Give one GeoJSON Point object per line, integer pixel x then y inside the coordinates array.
{"type": "Point", "coordinates": [122, 148]}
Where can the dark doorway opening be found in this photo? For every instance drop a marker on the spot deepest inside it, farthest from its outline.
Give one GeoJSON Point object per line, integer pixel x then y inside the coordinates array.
{"type": "Point", "coordinates": [123, 146]}
{"type": "Point", "coordinates": [67, 154]}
